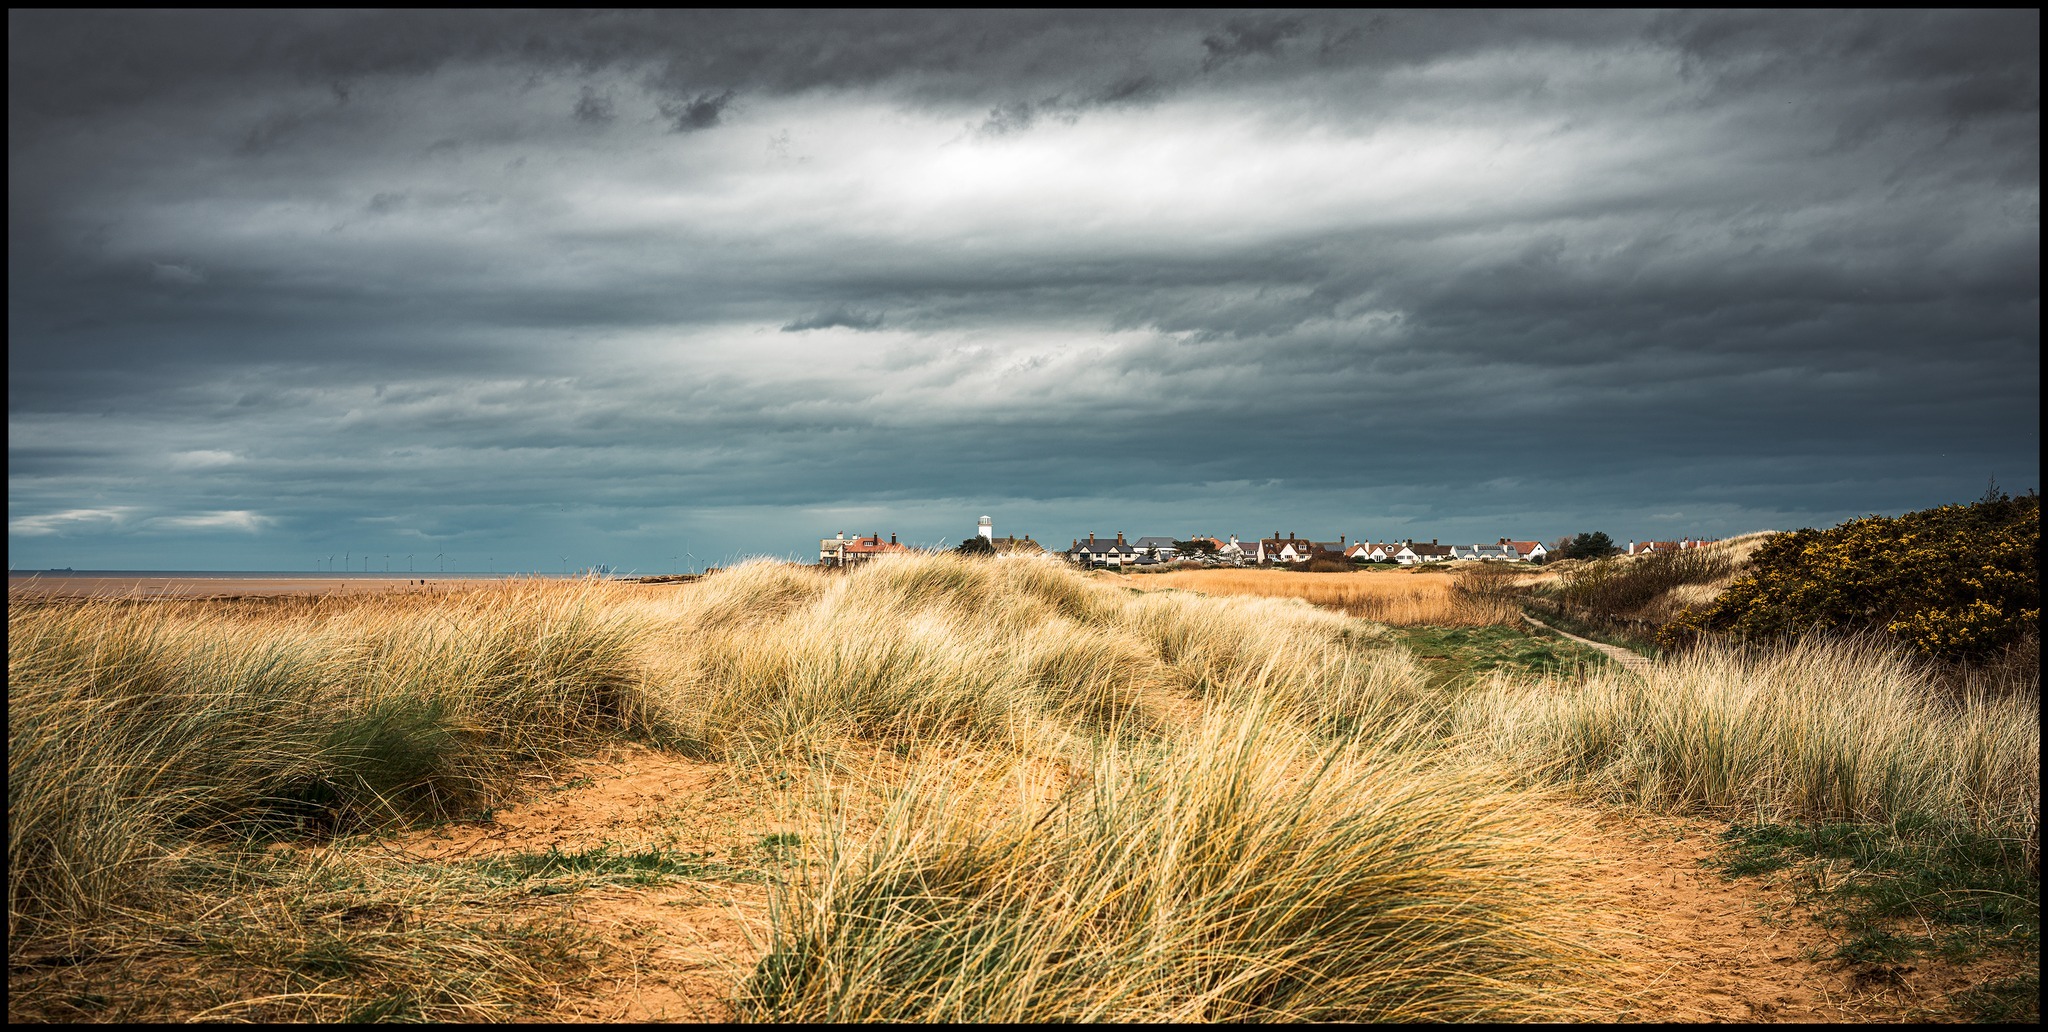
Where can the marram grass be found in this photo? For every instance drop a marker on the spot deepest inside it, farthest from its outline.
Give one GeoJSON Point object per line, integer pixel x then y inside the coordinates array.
{"type": "Point", "coordinates": [1277, 818]}
{"type": "Point", "coordinates": [1250, 873]}
{"type": "Point", "coordinates": [134, 728]}
{"type": "Point", "coordinates": [1821, 730]}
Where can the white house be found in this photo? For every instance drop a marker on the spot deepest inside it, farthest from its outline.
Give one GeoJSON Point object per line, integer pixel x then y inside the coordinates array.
{"type": "Point", "coordinates": [1289, 549]}
{"type": "Point", "coordinates": [1233, 552]}
{"type": "Point", "coordinates": [1097, 552]}
{"type": "Point", "coordinates": [1160, 548]}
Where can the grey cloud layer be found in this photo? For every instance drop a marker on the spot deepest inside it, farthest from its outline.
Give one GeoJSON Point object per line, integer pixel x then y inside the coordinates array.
{"type": "Point", "coordinates": [466, 274]}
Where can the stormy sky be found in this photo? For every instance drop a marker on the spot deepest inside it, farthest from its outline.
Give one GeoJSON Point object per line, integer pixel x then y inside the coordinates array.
{"type": "Point", "coordinates": [546, 290]}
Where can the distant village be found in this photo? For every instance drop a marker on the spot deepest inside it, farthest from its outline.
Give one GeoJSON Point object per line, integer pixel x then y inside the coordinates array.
{"type": "Point", "coordinates": [1204, 550]}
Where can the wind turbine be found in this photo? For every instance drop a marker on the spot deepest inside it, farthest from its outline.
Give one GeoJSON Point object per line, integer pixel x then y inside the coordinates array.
{"type": "Point", "coordinates": [387, 562]}
{"type": "Point", "coordinates": [437, 558]}
{"type": "Point", "coordinates": [408, 562]}
{"type": "Point", "coordinates": [565, 566]}
{"type": "Point", "coordinates": [344, 560]}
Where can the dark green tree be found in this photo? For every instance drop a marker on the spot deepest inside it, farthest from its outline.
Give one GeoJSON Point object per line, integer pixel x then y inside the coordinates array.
{"type": "Point", "coordinates": [1596, 545]}
{"type": "Point", "coordinates": [977, 546]}
{"type": "Point", "coordinates": [1202, 546]}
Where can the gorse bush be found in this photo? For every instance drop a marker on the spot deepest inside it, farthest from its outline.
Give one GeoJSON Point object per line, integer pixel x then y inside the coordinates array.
{"type": "Point", "coordinates": [1960, 582]}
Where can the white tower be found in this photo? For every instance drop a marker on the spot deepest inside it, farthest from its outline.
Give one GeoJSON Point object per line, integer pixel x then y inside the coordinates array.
{"type": "Point", "coordinates": [987, 529]}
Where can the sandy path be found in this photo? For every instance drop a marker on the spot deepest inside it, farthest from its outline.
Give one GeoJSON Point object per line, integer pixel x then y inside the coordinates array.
{"type": "Point", "coordinates": [1633, 662]}
{"type": "Point", "coordinates": [674, 952]}
{"type": "Point", "coordinates": [1686, 944]}
{"type": "Point", "coordinates": [1692, 946]}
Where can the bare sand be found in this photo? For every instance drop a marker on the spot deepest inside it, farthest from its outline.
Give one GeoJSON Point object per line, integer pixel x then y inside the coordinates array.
{"type": "Point", "coordinates": [1683, 943]}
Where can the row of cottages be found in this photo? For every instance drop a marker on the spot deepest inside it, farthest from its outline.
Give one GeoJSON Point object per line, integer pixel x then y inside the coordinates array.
{"type": "Point", "coordinates": [1404, 552]}
{"type": "Point", "coordinates": [1094, 551]}
{"type": "Point", "coordinates": [1503, 551]}
{"type": "Point", "coordinates": [1100, 552]}
{"type": "Point", "coordinates": [1408, 553]}
{"type": "Point", "coordinates": [1295, 550]}
{"type": "Point", "coordinates": [1653, 547]}
{"type": "Point", "coordinates": [846, 551]}
{"type": "Point", "coordinates": [1291, 549]}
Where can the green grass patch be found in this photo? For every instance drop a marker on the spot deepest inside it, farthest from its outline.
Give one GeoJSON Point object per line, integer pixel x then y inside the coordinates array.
{"type": "Point", "coordinates": [555, 872]}
{"type": "Point", "coordinates": [1605, 633]}
{"type": "Point", "coordinates": [2015, 1000]}
{"type": "Point", "coordinates": [1462, 655]}
{"type": "Point", "coordinates": [1914, 888]}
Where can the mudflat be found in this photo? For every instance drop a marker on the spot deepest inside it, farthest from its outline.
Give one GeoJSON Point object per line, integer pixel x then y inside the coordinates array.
{"type": "Point", "coordinates": [173, 586]}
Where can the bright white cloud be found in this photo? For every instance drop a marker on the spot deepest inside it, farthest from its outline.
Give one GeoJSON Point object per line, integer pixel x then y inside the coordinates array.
{"type": "Point", "coordinates": [70, 521]}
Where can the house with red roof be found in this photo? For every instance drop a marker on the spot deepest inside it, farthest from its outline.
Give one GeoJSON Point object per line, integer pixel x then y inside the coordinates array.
{"type": "Point", "coordinates": [846, 551]}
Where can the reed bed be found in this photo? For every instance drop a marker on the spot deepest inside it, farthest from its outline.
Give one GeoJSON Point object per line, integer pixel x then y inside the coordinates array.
{"type": "Point", "coordinates": [1400, 598]}
{"type": "Point", "coordinates": [1819, 730]}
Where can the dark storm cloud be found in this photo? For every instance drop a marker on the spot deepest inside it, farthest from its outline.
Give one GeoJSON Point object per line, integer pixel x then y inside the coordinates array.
{"type": "Point", "coordinates": [590, 107]}
{"type": "Point", "coordinates": [497, 281]}
{"type": "Point", "coordinates": [837, 317]}
{"type": "Point", "coordinates": [700, 112]}
{"type": "Point", "coordinates": [1242, 37]}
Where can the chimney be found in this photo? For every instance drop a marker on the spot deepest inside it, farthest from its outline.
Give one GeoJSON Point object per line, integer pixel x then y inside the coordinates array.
{"type": "Point", "coordinates": [1119, 537]}
{"type": "Point", "coordinates": [1340, 542]}
{"type": "Point", "coordinates": [892, 539]}
{"type": "Point", "coordinates": [1631, 548]}
{"type": "Point", "coordinates": [1503, 541]}
{"type": "Point", "coordinates": [1290, 535]}
{"type": "Point", "coordinates": [1432, 542]}
{"type": "Point", "coordinates": [842, 535]}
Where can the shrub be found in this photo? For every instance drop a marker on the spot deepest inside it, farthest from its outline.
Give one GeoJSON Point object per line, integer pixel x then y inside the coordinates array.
{"type": "Point", "coordinates": [1621, 588]}
{"type": "Point", "coordinates": [1959, 582]}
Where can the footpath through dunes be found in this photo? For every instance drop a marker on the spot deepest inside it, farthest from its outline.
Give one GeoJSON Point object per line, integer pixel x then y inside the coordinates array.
{"type": "Point", "coordinates": [1687, 945]}
{"type": "Point", "coordinates": [672, 951]}
{"type": "Point", "coordinates": [1634, 662]}
{"type": "Point", "coordinates": [1693, 946]}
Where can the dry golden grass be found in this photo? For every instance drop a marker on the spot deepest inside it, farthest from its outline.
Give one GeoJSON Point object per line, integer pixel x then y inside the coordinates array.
{"type": "Point", "coordinates": [1822, 730]}
{"type": "Point", "coordinates": [1244, 808]}
{"type": "Point", "coordinates": [150, 745]}
{"type": "Point", "coordinates": [1400, 598]}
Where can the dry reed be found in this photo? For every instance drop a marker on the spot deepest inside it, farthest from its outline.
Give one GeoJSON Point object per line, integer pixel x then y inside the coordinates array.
{"type": "Point", "coordinates": [1400, 598]}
